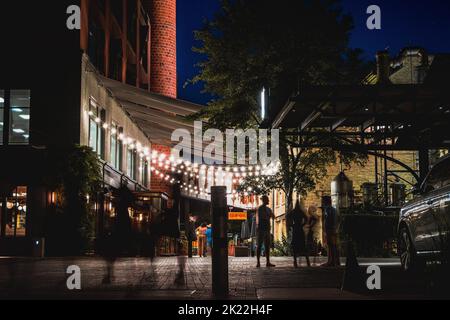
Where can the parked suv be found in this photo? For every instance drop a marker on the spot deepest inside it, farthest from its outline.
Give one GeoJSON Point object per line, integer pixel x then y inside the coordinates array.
{"type": "Point", "coordinates": [424, 229]}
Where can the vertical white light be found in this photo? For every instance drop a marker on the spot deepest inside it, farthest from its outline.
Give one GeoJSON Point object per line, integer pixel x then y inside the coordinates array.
{"type": "Point", "coordinates": [263, 103]}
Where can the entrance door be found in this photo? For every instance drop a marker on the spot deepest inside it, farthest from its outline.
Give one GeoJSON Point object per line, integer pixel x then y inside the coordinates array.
{"type": "Point", "coordinates": [14, 214]}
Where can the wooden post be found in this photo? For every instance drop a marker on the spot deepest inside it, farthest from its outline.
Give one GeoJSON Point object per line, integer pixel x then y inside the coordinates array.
{"type": "Point", "coordinates": [84, 32]}
{"type": "Point", "coordinates": [138, 44]}
{"type": "Point", "coordinates": [149, 55]}
{"type": "Point", "coordinates": [124, 40]}
{"type": "Point", "coordinates": [107, 36]}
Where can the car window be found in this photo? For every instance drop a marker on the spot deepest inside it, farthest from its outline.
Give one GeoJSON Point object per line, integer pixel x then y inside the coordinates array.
{"type": "Point", "coordinates": [439, 176]}
{"type": "Point", "coordinates": [445, 174]}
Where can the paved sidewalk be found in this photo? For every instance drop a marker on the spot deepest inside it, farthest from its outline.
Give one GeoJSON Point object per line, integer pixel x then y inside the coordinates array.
{"type": "Point", "coordinates": [139, 278]}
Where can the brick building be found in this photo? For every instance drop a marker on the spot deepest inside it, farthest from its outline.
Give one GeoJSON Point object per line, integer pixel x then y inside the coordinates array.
{"type": "Point", "coordinates": [89, 87]}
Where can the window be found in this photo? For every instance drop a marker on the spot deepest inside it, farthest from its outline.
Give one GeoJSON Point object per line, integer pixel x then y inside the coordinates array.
{"type": "Point", "coordinates": [96, 131]}
{"type": "Point", "coordinates": [144, 172]}
{"type": "Point", "coordinates": [439, 176]}
{"type": "Point", "coordinates": [116, 147]}
{"type": "Point", "coordinates": [19, 117]}
{"type": "Point", "coordinates": [15, 117]}
{"type": "Point", "coordinates": [131, 163]}
{"type": "Point", "coordinates": [14, 213]}
{"type": "Point", "coordinates": [2, 110]}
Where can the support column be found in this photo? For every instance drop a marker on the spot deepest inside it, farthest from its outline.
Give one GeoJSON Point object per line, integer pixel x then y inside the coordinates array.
{"type": "Point", "coordinates": [424, 163]}
{"type": "Point", "coordinates": [124, 40]}
{"type": "Point", "coordinates": [138, 44]}
{"type": "Point", "coordinates": [84, 32]}
{"type": "Point", "coordinates": [149, 55]}
{"type": "Point", "coordinates": [107, 36]}
{"type": "Point", "coordinates": [220, 285]}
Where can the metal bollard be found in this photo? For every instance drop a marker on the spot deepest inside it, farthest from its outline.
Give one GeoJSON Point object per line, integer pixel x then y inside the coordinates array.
{"type": "Point", "coordinates": [220, 285]}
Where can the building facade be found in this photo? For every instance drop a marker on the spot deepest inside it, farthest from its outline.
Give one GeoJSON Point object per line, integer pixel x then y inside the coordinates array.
{"type": "Point", "coordinates": [52, 96]}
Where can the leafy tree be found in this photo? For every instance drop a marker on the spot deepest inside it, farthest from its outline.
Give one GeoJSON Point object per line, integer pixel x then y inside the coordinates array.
{"type": "Point", "coordinates": [75, 173]}
{"type": "Point", "coordinates": [278, 45]}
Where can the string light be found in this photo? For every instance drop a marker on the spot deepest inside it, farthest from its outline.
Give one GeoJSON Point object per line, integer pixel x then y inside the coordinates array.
{"type": "Point", "coordinates": [225, 174]}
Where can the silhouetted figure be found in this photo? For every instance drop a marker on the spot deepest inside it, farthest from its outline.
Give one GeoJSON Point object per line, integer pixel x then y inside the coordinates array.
{"type": "Point", "coordinates": [263, 235]}
{"type": "Point", "coordinates": [153, 234]}
{"type": "Point", "coordinates": [201, 231]}
{"type": "Point", "coordinates": [190, 234]}
{"type": "Point", "coordinates": [108, 249]}
{"type": "Point", "coordinates": [123, 230]}
{"type": "Point", "coordinates": [296, 220]}
{"type": "Point", "coordinates": [331, 230]}
{"type": "Point", "coordinates": [180, 279]}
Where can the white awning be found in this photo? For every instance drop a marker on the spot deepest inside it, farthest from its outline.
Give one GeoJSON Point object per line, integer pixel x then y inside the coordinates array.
{"type": "Point", "coordinates": [156, 115]}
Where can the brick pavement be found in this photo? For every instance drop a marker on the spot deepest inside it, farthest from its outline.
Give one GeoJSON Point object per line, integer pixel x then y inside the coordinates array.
{"type": "Point", "coordinates": [139, 278]}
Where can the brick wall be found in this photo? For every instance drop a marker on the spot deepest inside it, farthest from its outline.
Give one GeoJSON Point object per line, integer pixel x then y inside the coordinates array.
{"type": "Point", "coordinates": [164, 47]}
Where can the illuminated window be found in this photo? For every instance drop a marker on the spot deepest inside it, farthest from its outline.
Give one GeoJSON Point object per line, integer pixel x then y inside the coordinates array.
{"type": "Point", "coordinates": [19, 114]}
{"type": "Point", "coordinates": [96, 131]}
{"type": "Point", "coordinates": [144, 172]}
{"type": "Point", "coordinates": [15, 106]}
{"type": "Point", "coordinates": [116, 147]}
{"type": "Point", "coordinates": [131, 163]}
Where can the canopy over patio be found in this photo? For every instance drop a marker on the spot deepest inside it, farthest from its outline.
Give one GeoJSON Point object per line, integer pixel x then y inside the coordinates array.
{"type": "Point", "coordinates": [156, 115]}
{"type": "Point", "coordinates": [374, 117]}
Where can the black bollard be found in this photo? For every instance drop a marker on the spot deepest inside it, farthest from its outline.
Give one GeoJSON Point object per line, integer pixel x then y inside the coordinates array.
{"type": "Point", "coordinates": [220, 286]}
{"type": "Point", "coordinates": [353, 276]}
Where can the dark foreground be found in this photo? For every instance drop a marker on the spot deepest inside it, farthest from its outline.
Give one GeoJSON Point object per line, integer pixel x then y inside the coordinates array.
{"type": "Point", "coordinates": [167, 279]}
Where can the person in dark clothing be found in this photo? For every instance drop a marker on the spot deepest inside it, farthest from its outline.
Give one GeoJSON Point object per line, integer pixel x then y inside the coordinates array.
{"type": "Point", "coordinates": [263, 235]}
{"type": "Point", "coordinates": [331, 230]}
{"type": "Point", "coordinates": [295, 222]}
{"type": "Point", "coordinates": [190, 234]}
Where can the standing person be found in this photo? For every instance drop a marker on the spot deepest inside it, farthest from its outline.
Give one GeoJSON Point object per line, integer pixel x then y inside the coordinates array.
{"type": "Point", "coordinates": [296, 221]}
{"type": "Point", "coordinates": [209, 238]}
{"type": "Point", "coordinates": [263, 235]}
{"type": "Point", "coordinates": [190, 234]}
{"type": "Point", "coordinates": [331, 230]}
{"type": "Point", "coordinates": [201, 231]}
{"type": "Point", "coordinates": [314, 233]}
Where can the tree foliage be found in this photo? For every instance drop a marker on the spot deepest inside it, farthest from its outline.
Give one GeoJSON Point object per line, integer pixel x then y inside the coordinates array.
{"type": "Point", "coordinates": [278, 45]}
{"type": "Point", "coordinates": [74, 173]}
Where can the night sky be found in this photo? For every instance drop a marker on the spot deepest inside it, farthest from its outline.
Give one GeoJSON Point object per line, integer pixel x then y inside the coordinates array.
{"type": "Point", "coordinates": [404, 23]}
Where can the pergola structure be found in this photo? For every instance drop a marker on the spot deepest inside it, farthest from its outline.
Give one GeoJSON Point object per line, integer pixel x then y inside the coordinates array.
{"type": "Point", "coordinates": [371, 119]}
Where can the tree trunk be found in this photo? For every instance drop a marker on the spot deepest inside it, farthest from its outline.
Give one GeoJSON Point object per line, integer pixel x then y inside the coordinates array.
{"type": "Point", "coordinates": [289, 203]}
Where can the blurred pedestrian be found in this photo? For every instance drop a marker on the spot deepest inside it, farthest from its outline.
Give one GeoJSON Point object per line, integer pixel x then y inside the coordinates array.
{"type": "Point", "coordinates": [209, 239]}
{"type": "Point", "coordinates": [190, 234]}
{"type": "Point", "coordinates": [180, 278]}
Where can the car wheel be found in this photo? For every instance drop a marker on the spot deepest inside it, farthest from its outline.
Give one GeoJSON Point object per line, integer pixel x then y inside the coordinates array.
{"type": "Point", "coordinates": [407, 253]}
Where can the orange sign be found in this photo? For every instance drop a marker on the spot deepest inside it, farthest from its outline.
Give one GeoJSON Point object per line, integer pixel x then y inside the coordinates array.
{"type": "Point", "coordinates": [237, 216]}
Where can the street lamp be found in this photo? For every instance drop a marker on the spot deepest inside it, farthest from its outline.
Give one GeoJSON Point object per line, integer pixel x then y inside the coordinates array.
{"type": "Point", "coordinates": [263, 103]}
